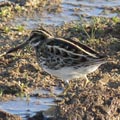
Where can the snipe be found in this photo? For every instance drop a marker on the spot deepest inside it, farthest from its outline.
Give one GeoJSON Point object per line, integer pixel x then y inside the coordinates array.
{"type": "Point", "coordinates": [63, 58]}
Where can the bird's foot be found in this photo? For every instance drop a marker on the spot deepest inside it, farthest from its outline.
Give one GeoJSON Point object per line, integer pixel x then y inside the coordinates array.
{"type": "Point", "coordinates": [67, 88]}
{"type": "Point", "coordinates": [86, 82]}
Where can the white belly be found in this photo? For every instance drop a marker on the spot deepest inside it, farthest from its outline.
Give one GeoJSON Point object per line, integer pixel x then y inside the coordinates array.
{"type": "Point", "coordinates": [69, 73]}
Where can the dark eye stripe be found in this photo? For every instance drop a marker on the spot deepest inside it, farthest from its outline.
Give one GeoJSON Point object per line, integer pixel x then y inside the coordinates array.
{"type": "Point", "coordinates": [35, 40]}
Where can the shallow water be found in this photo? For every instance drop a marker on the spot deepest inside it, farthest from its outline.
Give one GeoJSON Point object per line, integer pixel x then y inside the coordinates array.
{"type": "Point", "coordinates": [29, 107]}
{"type": "Point", "coordinates": [25, 108]}
{"type": "Point", "coordinates": [71, 10]}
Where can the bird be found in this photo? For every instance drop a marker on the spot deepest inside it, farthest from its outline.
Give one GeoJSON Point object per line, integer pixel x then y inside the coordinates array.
{"type": "Point", "coordinates": [66, 59]}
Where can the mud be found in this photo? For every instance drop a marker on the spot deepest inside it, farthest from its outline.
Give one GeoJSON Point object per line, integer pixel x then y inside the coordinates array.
{"type": "Point", "coordinates": [20, 74]}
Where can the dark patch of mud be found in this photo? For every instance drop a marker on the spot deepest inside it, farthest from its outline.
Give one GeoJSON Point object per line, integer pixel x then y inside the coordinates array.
{"type": "Point", "coordinates": [96, 102]}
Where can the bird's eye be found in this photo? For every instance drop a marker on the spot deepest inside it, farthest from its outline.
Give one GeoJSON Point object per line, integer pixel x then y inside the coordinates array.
{"type": "Point", "coordinates": [42, 37]}
{"type": "Point", "coordinates": [35, 42]}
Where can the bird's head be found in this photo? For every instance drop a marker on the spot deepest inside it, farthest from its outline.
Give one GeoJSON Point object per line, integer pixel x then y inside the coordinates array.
{"type": "Point", "coordinates": [36, 38]}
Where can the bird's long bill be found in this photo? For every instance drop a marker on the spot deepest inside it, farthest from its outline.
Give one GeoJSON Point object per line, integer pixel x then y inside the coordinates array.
{"type": "Point", "coordinates": [15, 48]}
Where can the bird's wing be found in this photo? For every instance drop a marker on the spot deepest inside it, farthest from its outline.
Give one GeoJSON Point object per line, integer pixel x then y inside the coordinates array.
{"type": "Point", "coordinates": [73, 47]}
{"type": "Point", "coordinates": [63, 52]}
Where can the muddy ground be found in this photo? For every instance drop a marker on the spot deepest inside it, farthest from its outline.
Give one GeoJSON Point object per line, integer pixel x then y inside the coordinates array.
{"type": "Point", "coordinates": [100, 100]}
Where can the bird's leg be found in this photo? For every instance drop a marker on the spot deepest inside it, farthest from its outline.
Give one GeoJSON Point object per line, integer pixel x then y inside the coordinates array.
{"type": "Point", "coordinates": [86, 81]}
{"type": "Point", "coordinates": [67, 87]}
